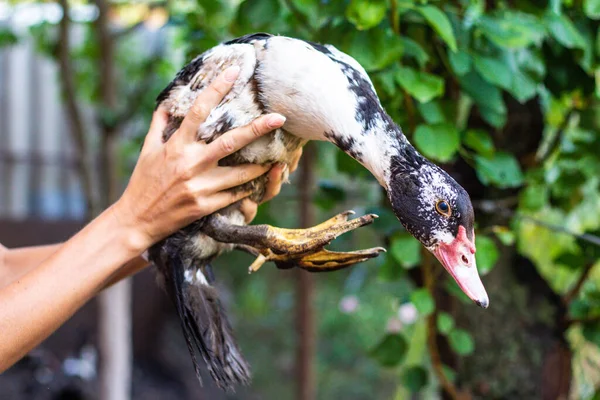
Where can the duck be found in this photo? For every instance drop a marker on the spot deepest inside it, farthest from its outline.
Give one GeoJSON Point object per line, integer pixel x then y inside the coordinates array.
{"type": "Point", "coordinates": [325, 95]}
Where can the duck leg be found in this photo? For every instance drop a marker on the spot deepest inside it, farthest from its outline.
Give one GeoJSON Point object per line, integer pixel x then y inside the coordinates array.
{"type": "Point", "coordinates": [293, 247]}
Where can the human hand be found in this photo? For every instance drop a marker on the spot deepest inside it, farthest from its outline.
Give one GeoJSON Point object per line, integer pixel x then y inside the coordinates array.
{"type": "Point", "coordinates": [180, 181]}
{"type": "Point", "coordinates": [275, 179]}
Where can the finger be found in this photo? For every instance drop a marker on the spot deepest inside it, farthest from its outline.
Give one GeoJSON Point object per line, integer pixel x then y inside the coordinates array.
{"type": "Point", "coordinates": [249, 209]}
{"type": "Point", "coordinates": [160, 118]}
{"type": "Point", "coordinates": [294, 164]}
{"type": "Point", "coordinates": [232, 141]}
{"type": "Point", "coordinates": [207, 99]}
{"type": "Point", "coordinates": [230, 177]}
{"type": "Point", "coordinates": [222, 199]}
{"type": "Point", "coordinates": [274, 183]}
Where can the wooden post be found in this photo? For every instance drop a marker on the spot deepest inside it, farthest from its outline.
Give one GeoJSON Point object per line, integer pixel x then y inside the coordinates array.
{"type": "Point", "coordinates": [115, 302]}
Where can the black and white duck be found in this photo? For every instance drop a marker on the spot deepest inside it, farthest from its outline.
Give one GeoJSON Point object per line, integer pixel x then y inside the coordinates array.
{"type": "Point", "coordinates": [325, 95]}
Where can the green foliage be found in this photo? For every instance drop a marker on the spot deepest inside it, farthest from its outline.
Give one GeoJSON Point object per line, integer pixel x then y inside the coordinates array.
{"type": "Point", "coordinates": [440, 22]}
{"type": "Point", "coordinates": [501, 170]}
{"type": "Point", "coordinates": [420, 85]}
{"type": "Point", "coordinates": [406, 250]}
{"type": "Point", "coordinates": [461, 342]}
{"type": "Point", "coordinates": [366, 14]}
{"type": "Point", "coordinates": [390, 351]}
{"type": "Point", "coordinates": [459, 77]}
{"type": "Point", "coordinates": [487, 254]}
{"type": "Point", "coordinates": [423, 301]}
{"type": "Point", "coordinates": [415, 378]}
{"type": "Point", "coordinates": [480, 141]}
{"type": "Point", "coordinates": [445, 323]}
{"type": "Point", "coordinates": [439, 142]}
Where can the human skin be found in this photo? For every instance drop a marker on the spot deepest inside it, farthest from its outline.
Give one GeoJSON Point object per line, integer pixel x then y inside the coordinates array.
{"type": "Point", "coordinates": [172, 185]}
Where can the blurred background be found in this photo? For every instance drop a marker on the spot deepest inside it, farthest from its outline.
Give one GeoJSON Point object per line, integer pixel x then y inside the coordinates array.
{"type": "Point", "coordinates": [503, 94]}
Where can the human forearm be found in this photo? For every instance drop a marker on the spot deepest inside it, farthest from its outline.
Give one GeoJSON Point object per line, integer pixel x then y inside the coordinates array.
{"type": "Point", "coordinates": [18, 262]}
{"type": "Point", "coordinates": [53, 291]}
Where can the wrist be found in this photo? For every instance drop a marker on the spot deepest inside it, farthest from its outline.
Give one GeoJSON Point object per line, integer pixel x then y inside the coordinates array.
{"type": "Point", "coordinates": [133, 234]}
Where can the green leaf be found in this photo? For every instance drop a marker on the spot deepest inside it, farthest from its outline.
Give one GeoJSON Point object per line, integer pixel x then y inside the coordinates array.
{"type": "Point", "coordinates": [449, 373]}
{"type": "Point", "coordinates": [493, 70]}
{"type": "Point", "coordinates": [504, 234]}
{"type": "Point", "coordinates": [563, 30]}
{"type": "Point", "coordinates": [487, 96]}
{"type": "Point", "coordinates": [414, 50]}
{"type": "Point", "coordinates": [438, 141]}
{"type": "Point", "coordinates": [591, 332]}
{"type": "Point", "coordinates": [487, 254]}
{"type": "Point", "coordinates": [366, 14]}
{"type": "Point", "coordinates": [374, 49]}
{"type": "Point", "coordinates": [533, 197]}
{"type": "Point", "coordinates": [579, 309]}
{"type": "Point", "coordinates": [445, 323]}
{"type": "Point", "coordinates": [571, 260]}
{"type": "Point", "coordinates": [480, 141]}
{"type": "Point", "coordinates": [423, 301]}
{"type": "Point", "coordinates": [461, 342]}
{"type": "Point", "coordinates": [7, 37]}
{"type": "Point", "coordinates": [406, 250]}
{"type": "Point", "coordinates": [431, 112]}
{"type": "Point", "coordinates": [501, 170]}
{"type": "Point", "coordinates": [592, 8]}
{"type": "Point", "coordinates": [421, 85]}
{"type": "Point", "coordinates": [389, 270]}
{"type": "Point", "coordinates": [513, 29]}
{"type": "Point", "coordinates": [440, 23]}
{"type": "Point", "coordinates": [415, 378]}
{"type": "Point", "coordinates": [460, 62]}
{"type": "Point", "coordinates": [390, 351]}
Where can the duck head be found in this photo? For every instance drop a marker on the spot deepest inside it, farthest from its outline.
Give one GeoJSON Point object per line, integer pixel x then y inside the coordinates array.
{"type": "Point", "coordinates": [437, 211]}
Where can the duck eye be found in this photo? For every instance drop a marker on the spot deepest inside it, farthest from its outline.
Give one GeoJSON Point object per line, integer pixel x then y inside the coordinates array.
{"type": "Point", "coordinates": [443, 208]}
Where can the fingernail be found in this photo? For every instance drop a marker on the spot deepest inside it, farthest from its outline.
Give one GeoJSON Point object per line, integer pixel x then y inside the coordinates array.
{"type": "Point", "coordinates": [232, 73]}
{"type": "Point", "coordinates": [275, 120]}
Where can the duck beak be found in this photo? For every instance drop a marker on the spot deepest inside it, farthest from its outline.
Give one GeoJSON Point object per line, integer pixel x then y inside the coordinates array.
{"type": "Point", "coordinates": [458, 257]}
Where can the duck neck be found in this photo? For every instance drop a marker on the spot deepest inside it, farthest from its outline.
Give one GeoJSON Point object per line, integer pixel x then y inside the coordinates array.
{"type": "Point", "coordinates": [378, 149]}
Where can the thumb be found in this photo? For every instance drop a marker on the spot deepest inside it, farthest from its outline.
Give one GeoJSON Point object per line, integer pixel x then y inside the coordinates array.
{"type": "Point", "coordinates": [160, 118]}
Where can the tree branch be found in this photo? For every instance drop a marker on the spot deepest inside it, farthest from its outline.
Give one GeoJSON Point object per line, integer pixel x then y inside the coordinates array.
{"type": "Point", "coordinates": [541, 158]}
{"type": "Point", "coordinates": [77, 130]}
{"type": "Point", "coordinates": [574, 292]}
{"type": "Point", "coordinates": [501, 206]}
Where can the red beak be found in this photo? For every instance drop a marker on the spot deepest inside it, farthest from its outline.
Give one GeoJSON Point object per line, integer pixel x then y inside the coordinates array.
{"type": "Point", "coordinates": [458, 257]}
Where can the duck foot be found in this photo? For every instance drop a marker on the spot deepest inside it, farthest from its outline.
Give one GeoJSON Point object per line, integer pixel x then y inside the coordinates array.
{"type": "Point", "coordinates": [294, 247]}
{"type": "Point", "coordinates": [320, 260]}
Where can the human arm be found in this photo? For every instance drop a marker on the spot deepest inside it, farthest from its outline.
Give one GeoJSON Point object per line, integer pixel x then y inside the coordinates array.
{"type": "Point", "coordinates": [172, 185]}
{"type": "Point", "coordinates": [15, 263]}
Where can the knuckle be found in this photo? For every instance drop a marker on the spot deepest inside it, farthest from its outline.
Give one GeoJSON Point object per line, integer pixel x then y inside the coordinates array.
{"type": "Point", "coordinates": [184, 173]}
{"type": "Point", "coordinates": [199, 111]}
{"type": "Point", "coordinates": [200, 208]}
{"type": "Point", "coordinates": [243, 176]}
{"type": "Point", "coordinates": [227, 144]}
{"type": "Point", "coordinates": [257, 127]}
{"type": "Point", "coordinates": [218, 89]}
